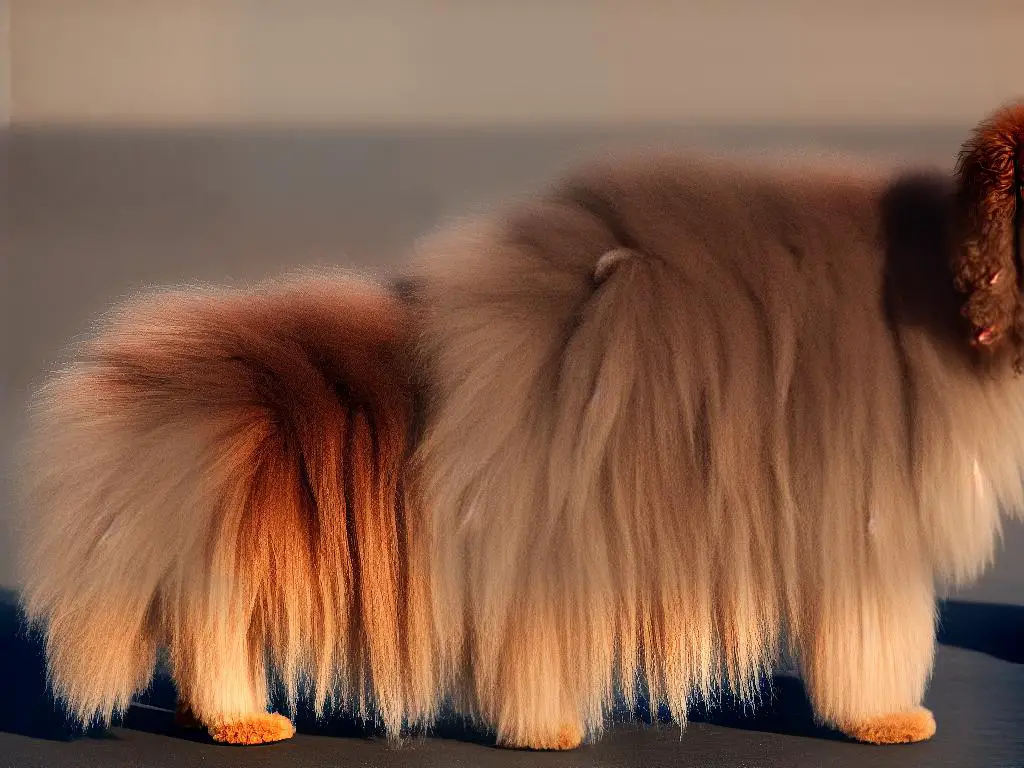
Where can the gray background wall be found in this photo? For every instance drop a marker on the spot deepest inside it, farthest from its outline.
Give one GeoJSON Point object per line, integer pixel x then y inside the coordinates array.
{"type": "Point", "coordinates": [540, 62]}
{"type": "Point", "coordinates": [180, 140]}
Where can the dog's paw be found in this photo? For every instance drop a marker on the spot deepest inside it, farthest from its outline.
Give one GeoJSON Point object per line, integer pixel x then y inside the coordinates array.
{"type": "Point", "coordinates": [565, 738]}
{"type": "Point", "coordinates": [260, 728]}
{"type": "Point", "coordinates": [916, 724]}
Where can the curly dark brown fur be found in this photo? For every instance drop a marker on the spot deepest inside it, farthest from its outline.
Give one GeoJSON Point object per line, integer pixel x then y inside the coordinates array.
{"type": "Point", "coordinates": [987, 263]}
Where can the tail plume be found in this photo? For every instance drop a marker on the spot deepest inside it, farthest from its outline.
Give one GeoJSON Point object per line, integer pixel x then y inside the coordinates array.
{"type": "Point", "coordinates": [222, 472]}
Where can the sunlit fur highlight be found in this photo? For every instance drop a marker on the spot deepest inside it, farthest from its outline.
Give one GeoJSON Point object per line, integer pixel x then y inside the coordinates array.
{"type": "Point", "coordinates": [638, 436]}
{"type": "Point", "coordinates": [221, 472]}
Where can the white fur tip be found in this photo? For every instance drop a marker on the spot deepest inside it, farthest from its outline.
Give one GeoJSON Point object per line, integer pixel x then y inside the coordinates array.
{"type": "Point", "coordinates": [608, 261]}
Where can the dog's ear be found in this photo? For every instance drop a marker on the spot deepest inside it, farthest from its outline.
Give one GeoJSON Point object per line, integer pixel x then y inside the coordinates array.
{"type": "Point", "coordinates": [987, 266]}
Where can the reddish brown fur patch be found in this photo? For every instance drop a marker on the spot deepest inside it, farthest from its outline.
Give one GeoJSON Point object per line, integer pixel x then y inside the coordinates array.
{"type": "Point", "coordinates": [313, 513]}
{"type": "Point", "coordinates": [986, 264]}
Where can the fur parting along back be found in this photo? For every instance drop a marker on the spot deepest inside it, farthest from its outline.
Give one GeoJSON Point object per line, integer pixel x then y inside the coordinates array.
{"type": "Point", "coordinates": [681, 408]}
{"type": "Point", "coordinates": [222, 471]}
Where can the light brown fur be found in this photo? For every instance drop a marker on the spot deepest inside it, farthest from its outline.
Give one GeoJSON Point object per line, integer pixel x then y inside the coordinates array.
{"type": "Point", "coordinates": [638, 436]}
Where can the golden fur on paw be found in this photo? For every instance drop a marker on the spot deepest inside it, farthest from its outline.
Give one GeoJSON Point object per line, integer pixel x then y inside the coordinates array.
{"type": "Point", "coordinates": [917, 724]}
{"type": "Point", "coordinates": [565, 738]}
{"type": "Point", "coordinates": [257, 729]}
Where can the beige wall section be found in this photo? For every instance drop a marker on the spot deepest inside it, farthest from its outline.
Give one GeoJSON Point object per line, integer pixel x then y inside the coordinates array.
{"type": "Point", "coordinates": [509, 62]}
{"type": "Point", "coordinates": [5, 63]}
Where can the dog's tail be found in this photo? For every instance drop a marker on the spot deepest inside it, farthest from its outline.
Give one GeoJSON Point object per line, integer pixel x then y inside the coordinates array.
{"type": "Point", "coordinates": [222, 471]}
{"type": "Point", "coordinates": [987, 264]}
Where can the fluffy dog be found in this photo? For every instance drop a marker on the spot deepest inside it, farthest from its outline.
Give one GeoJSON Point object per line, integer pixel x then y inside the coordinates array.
{"type": "Point", "coordinates": [637, 436]}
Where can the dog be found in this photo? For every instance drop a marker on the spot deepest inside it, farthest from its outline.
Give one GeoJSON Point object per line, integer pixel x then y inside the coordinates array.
{"type": "Point", "coordinates": [636, 436]}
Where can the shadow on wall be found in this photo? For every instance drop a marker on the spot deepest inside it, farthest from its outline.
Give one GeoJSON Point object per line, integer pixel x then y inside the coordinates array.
{"type": "Point", "coordinates": [27, 708]}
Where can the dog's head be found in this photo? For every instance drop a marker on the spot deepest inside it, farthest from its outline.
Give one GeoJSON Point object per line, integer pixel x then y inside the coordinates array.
{"type": "Point", "coordinates": [987, 262]}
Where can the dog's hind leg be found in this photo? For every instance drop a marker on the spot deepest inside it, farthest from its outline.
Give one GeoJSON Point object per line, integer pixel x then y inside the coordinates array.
{"type": "Point", "coordinates": [867, 659]}
{"type": "Point", "coordinates": [529, 705]}
{"type": "Point", "coordinates": [223, 688]}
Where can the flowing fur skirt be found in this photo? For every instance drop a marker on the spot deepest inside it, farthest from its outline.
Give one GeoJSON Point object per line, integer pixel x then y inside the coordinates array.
{"type": "Point", "coordinates": [636, 437]}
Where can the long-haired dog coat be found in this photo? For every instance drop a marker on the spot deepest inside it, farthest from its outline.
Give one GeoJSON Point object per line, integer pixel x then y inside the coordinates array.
{"type": "Point", "coordinates": [637, 436]}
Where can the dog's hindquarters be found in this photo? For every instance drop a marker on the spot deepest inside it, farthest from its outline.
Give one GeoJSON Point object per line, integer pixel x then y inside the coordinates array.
{"type": "Point", "coordinates": [223, 472]}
